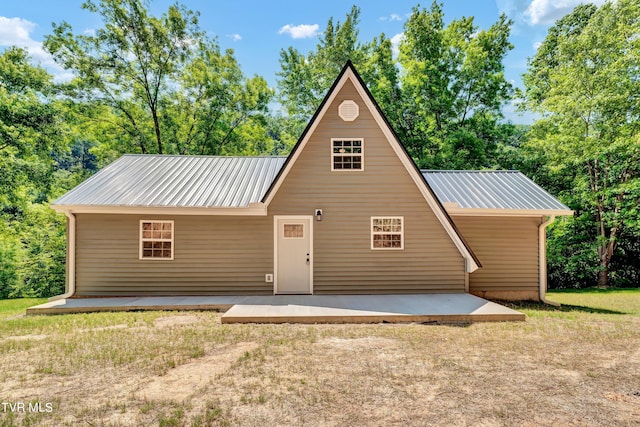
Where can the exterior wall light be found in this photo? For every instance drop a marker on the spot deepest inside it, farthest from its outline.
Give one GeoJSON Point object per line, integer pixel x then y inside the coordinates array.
{"type": "Point", "coordinates": [318, 214]}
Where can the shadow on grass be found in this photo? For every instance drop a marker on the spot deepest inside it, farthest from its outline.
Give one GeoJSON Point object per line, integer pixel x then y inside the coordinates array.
{"type": "Point", "coordinates": [594, 290]}
{"type": "Point", "coordinates": [564, 308]}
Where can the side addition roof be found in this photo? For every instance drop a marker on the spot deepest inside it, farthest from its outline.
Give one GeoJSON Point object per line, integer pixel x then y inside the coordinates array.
{"type": "Point", "coordinates": [492, 192]}
{"type": "Point", "coordinates": [160, 181]}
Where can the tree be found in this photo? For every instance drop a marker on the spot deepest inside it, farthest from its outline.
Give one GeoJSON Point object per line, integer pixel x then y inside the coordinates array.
{"type": "Point", "coordinates": [161, 78]}
{"type": "Point", "coordinates": [584, 81]}
{"type": "Point", "coordinates": [305, 80]}
{"type": "Point", "coordinates": [446, 102]}
{"type": "Point", "coordinates": [454, 89]}
{"type": "Point", "coordinates": [27, 125]}
{"type": "Point", "coordinates": [32, 134]}
{"type": "Point", "coordinates": [30, 130]}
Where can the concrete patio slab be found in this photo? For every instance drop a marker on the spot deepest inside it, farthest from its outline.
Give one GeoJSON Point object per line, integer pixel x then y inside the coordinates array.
{"type": "Point", "coordinates": [369, 309]}
{"type": "Point", "coordinates": [306, 308]}
{"type": "Point", "coordinates": [89, 305]}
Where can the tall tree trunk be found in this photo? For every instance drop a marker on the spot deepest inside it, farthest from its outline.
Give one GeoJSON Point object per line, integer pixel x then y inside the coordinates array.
{"type": "Point", "coordinates": [156, 125]}
{"type": "Point", "coordinates": [603, 276]}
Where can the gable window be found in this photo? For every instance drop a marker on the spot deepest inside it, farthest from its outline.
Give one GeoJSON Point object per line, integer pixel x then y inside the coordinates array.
{"type": "Point", "coordinates": [347, 154]}
{"type": "Point", "coordinates": [156, 239]}
{"type": "Point", "coordinates": [387, 232]}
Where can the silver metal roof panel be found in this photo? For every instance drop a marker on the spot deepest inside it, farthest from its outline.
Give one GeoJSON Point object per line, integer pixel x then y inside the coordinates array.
{"type": "Point", "coordinates": [510, 190]}
{"type": "Point", "coordinates": [231, 182]}
{"type": "Point", "coordinates": [177, 181]}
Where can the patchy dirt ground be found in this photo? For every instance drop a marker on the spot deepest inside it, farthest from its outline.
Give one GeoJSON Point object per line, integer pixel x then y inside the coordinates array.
{"type": "Point", "coordinates": [571, 367]}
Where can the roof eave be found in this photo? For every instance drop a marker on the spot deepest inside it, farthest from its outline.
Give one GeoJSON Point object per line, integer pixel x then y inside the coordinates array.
{"type": "Point", "coordinates": [254, 209]}
{"type": "Point", "coordinates": [508, 212]}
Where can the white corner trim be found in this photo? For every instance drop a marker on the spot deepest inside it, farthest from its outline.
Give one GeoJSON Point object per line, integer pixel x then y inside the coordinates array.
{"type": "Point", "coordinates": [71, 257]}
{"type": "Point", "coordinates": [542, 260]}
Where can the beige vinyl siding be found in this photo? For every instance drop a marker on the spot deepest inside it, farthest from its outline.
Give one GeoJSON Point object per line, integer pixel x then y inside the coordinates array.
{"type": "Point", "coordinates": [344, 261]}
{"type": "Point", "coordinates": [213, 255]}
{"type": "Point", "coordinates": [231, 254]}
{"type": "Point", "coordinates": [508, 250]}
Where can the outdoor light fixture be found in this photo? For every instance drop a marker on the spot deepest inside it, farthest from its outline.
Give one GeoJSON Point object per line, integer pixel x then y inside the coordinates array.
{"type": "Point", "coordinates": [318, 214]}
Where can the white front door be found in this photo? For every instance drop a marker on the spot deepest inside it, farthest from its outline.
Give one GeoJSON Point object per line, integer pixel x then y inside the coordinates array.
{"type": "Point", "coordinates": [293, 258]}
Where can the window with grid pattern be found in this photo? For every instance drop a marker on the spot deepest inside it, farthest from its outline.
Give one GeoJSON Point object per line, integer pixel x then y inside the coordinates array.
{"type": "Point", "coordinates": [156, 239]}
{"type": "Point", "coordinates": [387, 232]}
{"type": "Point", "coordinates": [347, 154]}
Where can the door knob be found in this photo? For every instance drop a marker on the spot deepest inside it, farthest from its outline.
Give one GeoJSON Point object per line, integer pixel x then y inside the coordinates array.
{"type": "Point", "coordinates": [307, 258]}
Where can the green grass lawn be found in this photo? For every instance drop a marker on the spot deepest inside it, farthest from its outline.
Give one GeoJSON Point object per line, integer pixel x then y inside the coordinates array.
{"type": "Point", "coordinates": [578, 364]}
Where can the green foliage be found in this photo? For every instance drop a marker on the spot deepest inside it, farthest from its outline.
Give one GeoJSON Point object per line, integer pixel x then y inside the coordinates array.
{"type": "Point", "coordinates": [27, 125]}
{"type": "Point", "coordinates": [454, 89]}
{"type": "Point", "coordinates": [9, 261]}
{"type": "Point", "coordinates": [158, 84]}
{"type": "Point", "coordinates": [42, 264]}
{"type": "Point", "coordinates": [582, 80]}
{"type": "Point", "coordinates": [32, 132]}
{"type": "Point", "coordinates": [446, 103]}
{"type": "Point", "coordinates": [305, 79]}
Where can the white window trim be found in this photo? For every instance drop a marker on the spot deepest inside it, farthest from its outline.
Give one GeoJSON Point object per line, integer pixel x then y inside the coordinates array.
{"type": "Point", "coordinates": [140, 240]}
{"type": "Point", "coordinates": [304, 231]}
{"type": "Point", "coordinates": [334, 154]}
{"type": "Point", "coordinates": [401, 233]}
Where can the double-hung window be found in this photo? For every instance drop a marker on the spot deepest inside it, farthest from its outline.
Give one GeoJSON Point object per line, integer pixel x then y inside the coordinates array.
{"type": "Point", "coordinates": [156, 239]}
{"type": "Point", "coordinates": [387, 232]}
{"type": "Point", "coordinates": [347, 154]}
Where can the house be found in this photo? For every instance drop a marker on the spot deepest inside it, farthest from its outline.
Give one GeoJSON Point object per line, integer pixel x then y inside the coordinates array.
{"type": "Point", "coordinates": [347, 212]}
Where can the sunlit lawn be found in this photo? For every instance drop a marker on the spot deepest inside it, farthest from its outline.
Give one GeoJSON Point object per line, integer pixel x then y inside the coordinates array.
{"type": "Point", "coordinates": [574, 365]}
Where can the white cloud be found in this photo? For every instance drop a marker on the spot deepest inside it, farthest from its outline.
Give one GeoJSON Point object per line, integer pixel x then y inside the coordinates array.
{"type": "Point", "coordinates": [546, 12]}
{"type": "Point", "coordinates": [302, 31]}
{"type": "Point", "coordinates": [392, 17]}
{"type": "Point", "coordinates": [395, 43]}
{"type": "Point", "coordinates": [90, 32]}
{"type": "Point", "coordinates": [536, 45]}
{"type": "Point", "coordinates": [17, 32]}
{"type": "Point", "coordinates": [235, 37]}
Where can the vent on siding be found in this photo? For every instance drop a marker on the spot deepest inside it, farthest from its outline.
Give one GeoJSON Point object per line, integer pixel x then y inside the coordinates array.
{"type": "Point", "coordinates": [348, 111]}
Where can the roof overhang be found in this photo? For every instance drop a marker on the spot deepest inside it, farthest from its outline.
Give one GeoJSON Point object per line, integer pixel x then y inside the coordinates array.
{"type": "Point", "coordinates": [254, 209]}
{"type": "Point", "coordinates": [457, 211]}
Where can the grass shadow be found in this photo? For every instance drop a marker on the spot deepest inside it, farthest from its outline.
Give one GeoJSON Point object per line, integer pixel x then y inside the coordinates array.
{"type": "Point", "coordinates": [460, 324]}
{"type": "Point", "coordinates": [564, 308]}
{"type": "Point", "coordinates": [579, 291]}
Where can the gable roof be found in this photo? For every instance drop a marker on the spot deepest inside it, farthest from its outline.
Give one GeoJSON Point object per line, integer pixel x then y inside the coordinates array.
{"type": "Point", "coordinates": [176, 182]}
{"type": "Point", "coordinates": [504, 192]}
{"type": "Point", "coordinates": [349, 73]}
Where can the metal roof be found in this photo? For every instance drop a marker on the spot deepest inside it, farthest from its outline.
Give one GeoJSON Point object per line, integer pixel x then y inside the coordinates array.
{"type": "Point", "coordinates": [233, 182]}
{"type": "Point", "coordinates": [177, 181]}
{"type": "Point", "coordinates": [509, 190]}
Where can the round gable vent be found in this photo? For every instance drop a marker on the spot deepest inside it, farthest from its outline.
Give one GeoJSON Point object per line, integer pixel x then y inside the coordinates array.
{"type": "Point", "coordinates": [348, 111]}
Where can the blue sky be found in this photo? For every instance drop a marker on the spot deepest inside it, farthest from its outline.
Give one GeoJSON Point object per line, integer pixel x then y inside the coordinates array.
{"type": "Point", "coordinates": [258, 30]}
